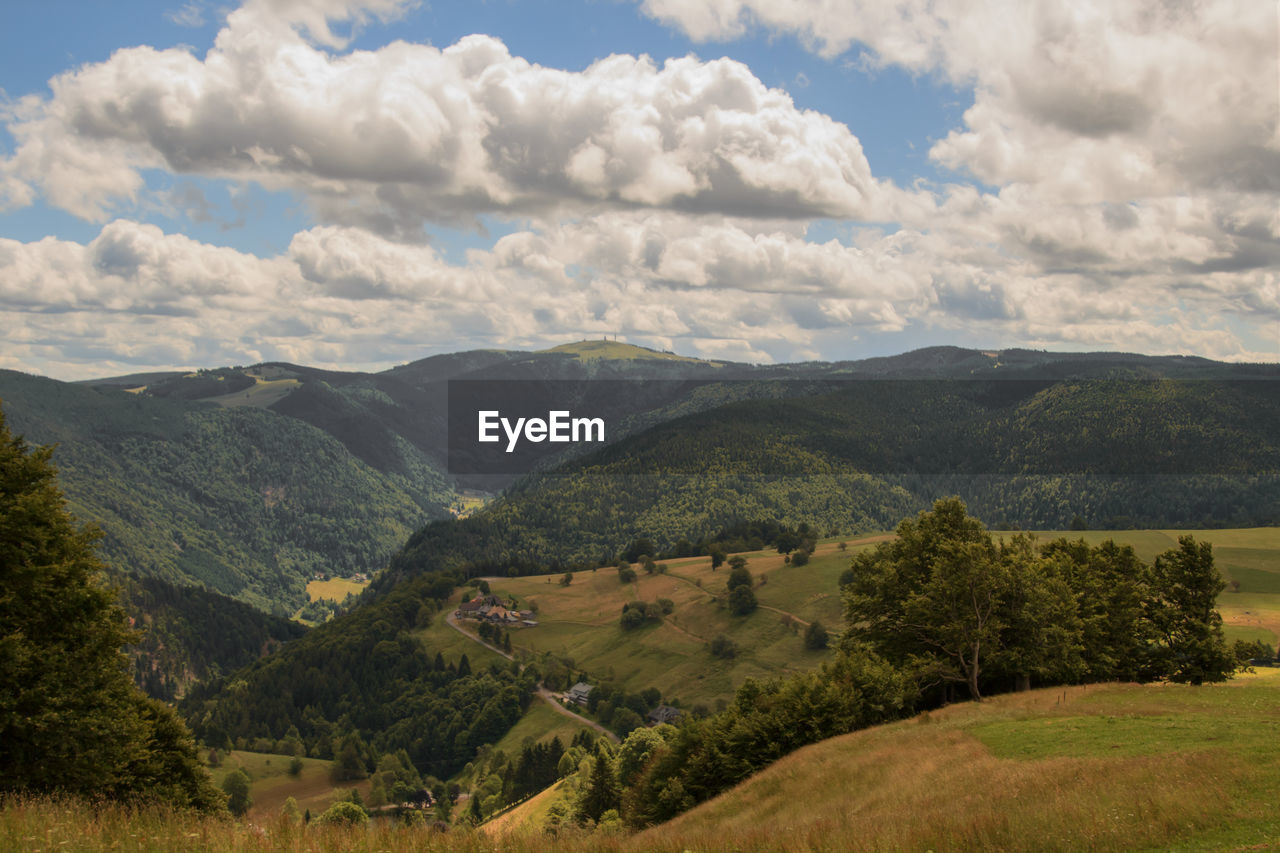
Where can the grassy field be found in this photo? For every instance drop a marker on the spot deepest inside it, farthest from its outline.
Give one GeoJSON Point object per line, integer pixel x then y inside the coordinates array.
{"type": "Point", "coordinates": [271, 784]}
{"type": "Point", "coordinates": [540, 723]}
{"type": "Point", "coordinates": [335, 589]}
{"type": "Point", "coordinates": [1115, 767]}
{"type": "Point", "coordinates": [528, 817]}
{"type": "Point", "coordinates": [594, 350]}
{"type": "Point", "coordinates": [271, 384]}
{"type": "Point", "coordinates": [581, 622]}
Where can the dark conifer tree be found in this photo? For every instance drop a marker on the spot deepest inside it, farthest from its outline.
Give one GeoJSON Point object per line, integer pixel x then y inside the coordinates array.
{"type": "Point", "coordinates": [71, 719]}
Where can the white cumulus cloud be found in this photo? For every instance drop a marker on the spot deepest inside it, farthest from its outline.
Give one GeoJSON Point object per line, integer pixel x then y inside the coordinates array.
{"type": "Point", "coordinates": [391, 138]}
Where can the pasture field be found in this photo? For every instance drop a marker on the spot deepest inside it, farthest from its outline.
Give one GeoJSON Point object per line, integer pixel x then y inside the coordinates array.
{"type": "Point", "coordinates": [611, 350]}
{"type": "Point", "coordinates": [271, 384]}
{"type": "Point", "coordinates": [581, 622]}
{"type": "Point", "coordinates": [335, 589]}
{"type": "Point", "coordinates": [528, 817]}
{"type": "Point", "coordinates": [271, 784]}
{"type": "Point", "coordinates": [540, 723]}
{"type": "Point", "coordinates": [1107, 767]}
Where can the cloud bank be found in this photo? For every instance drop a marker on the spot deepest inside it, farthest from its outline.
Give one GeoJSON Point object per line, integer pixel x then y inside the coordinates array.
{"type": "Point", "coordinates": [1116, 186]}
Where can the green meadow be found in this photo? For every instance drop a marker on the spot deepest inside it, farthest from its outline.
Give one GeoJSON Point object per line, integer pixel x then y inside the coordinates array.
{"type": "Point", "coordinates": [270, 783]}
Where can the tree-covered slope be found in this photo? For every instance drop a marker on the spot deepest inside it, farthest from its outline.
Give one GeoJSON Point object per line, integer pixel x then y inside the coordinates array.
{"type": "Point", "coordinates": [366, 682]}
{"type": "Point", "coordinates": [190, 634]}
{"type": "Point", "coordinates": [241, 500]}
{"type": "Point", "coordinates": [1030, 453]}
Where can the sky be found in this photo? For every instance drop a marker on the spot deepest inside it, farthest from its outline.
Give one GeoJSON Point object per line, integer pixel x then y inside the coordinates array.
{"type": "Point", "coordinates": [362, 183]}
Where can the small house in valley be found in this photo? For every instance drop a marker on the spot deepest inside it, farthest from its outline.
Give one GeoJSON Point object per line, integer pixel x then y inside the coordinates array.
{"type": "Point", "coordinates": [663, 714]}
{"type": "Point", "coordinates": [579, 692]}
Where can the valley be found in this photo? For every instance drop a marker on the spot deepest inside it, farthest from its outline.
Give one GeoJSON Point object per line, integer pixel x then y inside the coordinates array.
{"type": "Point", "coordinates": [297, 468]}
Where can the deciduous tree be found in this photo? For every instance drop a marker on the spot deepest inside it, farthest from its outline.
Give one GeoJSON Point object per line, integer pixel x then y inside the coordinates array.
{"type": "Point", "coordinates": [944, 599]}
{"type": "Point", "coordinates": [1190, 646]}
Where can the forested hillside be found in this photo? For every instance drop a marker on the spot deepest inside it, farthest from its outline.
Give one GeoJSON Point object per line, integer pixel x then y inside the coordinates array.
{"type": "Point", "coordinates": [1030, 454]}
{"type": "Point", "coordinates": [363, 685]}
{"type": "Point", "coordinates": [241, 500]}
{"type": "Point", "coordinates": [190, 634]}
{"type": "Point", "coordinates": [248, 480]}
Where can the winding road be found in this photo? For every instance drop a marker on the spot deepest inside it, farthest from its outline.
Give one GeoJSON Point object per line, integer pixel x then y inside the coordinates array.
{"type": "Point", "coordinates": [543, 692]}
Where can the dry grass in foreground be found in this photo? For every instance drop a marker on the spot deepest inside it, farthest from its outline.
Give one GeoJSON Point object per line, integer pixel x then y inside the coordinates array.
{"type": "Point", "coordinates": [1115, 767]}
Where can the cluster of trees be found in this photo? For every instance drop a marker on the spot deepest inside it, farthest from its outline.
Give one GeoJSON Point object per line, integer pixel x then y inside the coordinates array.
{"type": "Point", "coordinates": [496, 635]}
{"type": "Point", "coordinates": [621, 710]}
{"type": "Point", "coordinates": [737, 536]}
{"type": "Point", "coordinates": [638, 613]}
{"type": "Point", "coordinates": [203, 383]}
{"type": "Point", "coordinates": [321, 610]}
{"type": "Point", "coordinates": [395, 780]}
{"type": "Point", "coordinates": [71, 719]}
{"type": "Point", "coordinates": [1257, 651]}
{"type": "Point", "coordinates": [741, 596]}
{"type": "Point", "coordinates": [658, 772]}
{"type": "Point", "coordinates": [954, 606]}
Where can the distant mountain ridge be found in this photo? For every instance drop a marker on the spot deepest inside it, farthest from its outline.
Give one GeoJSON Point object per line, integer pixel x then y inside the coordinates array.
{"type": "Point", "coordinates": [1032, 453]}
{"type": "Point", "coordinates": [298, 469]}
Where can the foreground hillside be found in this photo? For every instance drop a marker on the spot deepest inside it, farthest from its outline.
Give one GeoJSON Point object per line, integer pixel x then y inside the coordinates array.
{"type": "Point", "coordinates": [1107, 767]}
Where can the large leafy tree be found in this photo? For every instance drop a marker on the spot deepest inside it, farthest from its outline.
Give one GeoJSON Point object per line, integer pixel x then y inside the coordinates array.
{"type": "Point", "coordinates": [1189, 644]}
{"type": "Point", "coordinates": [71, 720]}
{"type": "Point", "coordinates": [946, 600]}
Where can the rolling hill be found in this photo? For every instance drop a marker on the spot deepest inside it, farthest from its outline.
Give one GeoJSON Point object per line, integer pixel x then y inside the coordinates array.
{"type": "Point", "coordinates": [197, 478]}
{"type": "Point", "coordinates": [580, 622]}
{"type": "Point", "coordinates": [1110, 767]}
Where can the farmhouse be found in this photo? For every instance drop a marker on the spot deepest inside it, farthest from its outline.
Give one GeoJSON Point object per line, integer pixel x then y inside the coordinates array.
{"type": "Point", "coordinates": [579, 692]}
{"type": "Point", "coordinates": [498, 613]}
{"type": "Point", "coordinates": [478, 607]}
{"type": "Point", "coordinates": [469, 609]}
{"type": "Point", "coordinates": [663, 714]}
